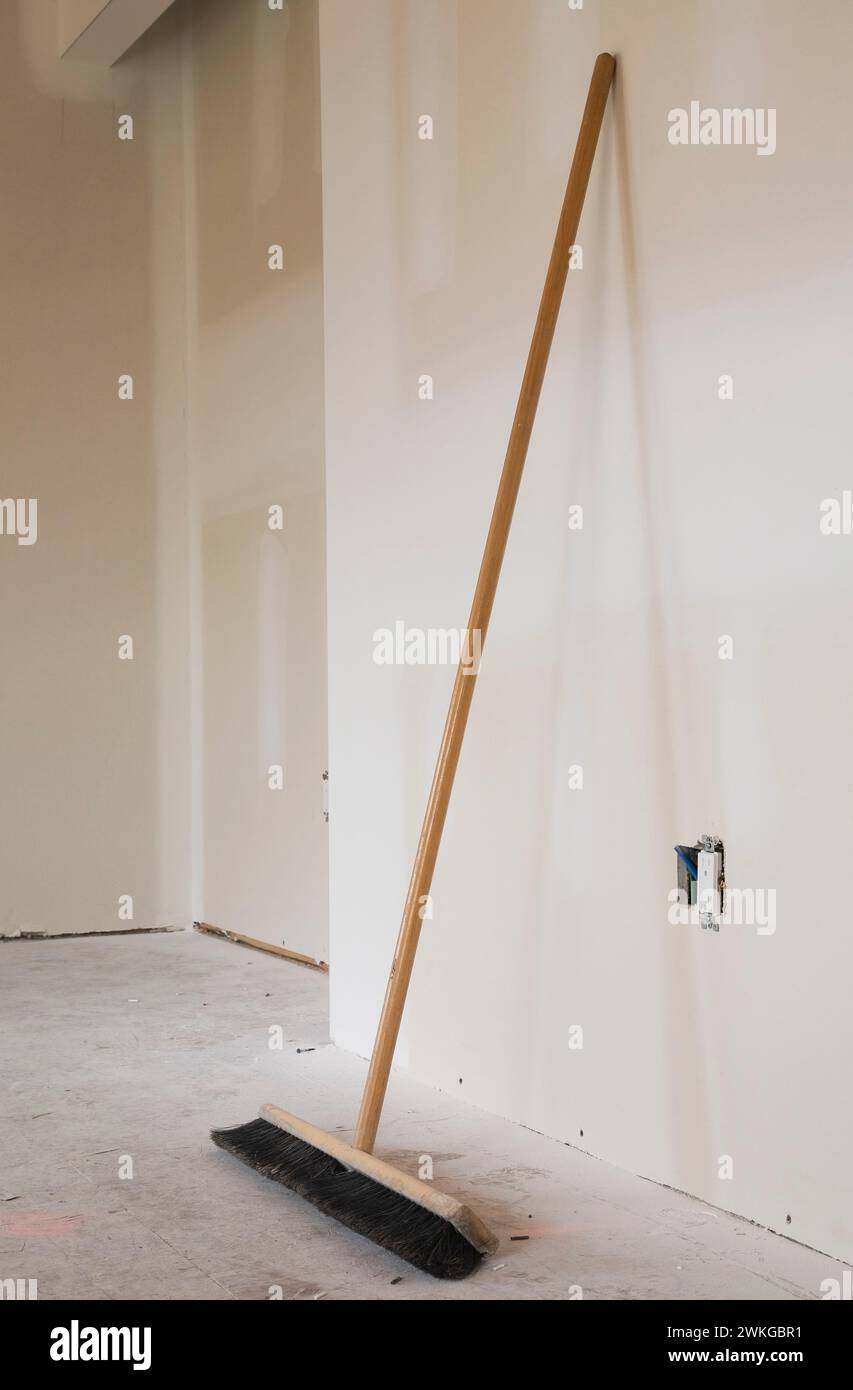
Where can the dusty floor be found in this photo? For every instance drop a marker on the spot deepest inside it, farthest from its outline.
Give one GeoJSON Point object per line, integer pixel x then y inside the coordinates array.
{"type": "Point", "coordinates": [118, 1049]}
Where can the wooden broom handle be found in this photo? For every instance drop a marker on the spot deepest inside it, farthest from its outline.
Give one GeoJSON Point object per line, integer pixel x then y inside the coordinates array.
{"type": "Point", "coordinates": [481, 609]}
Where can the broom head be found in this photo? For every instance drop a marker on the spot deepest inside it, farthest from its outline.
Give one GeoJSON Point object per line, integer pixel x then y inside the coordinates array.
{"type": "Point", "coordinates": [413, 1219]}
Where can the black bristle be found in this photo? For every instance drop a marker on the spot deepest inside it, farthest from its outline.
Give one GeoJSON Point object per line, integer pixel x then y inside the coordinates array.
{"type": "Point", "coordinates": [427, 1241]}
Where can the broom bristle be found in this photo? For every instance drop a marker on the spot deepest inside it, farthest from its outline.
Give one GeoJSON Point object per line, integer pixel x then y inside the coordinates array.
{"type": "Point", "coordinates": [398, 1224]}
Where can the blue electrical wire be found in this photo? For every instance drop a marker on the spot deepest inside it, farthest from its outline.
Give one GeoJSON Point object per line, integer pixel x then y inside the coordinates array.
{"type": "Point", "coordinates": [686, 861]}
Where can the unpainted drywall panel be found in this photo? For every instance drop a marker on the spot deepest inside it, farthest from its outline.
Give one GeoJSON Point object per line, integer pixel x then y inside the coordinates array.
{"type": "Point", "coordinates": [256, 399]}
{"type": "Point", "coordinates": [551, 986]}
{"type": "Point", "coordinates": [101, 31]}
{"type": "Point", "coordinates": [94, 748]}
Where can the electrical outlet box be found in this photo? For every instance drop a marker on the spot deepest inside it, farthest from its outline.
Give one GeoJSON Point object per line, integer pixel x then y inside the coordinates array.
{"type": "Point", "coordinates": [702, 878]}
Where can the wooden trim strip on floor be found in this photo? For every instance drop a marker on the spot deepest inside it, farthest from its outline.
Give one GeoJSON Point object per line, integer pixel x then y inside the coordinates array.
{"type": "Point", "coordinates": [87, 935]}
{"type": "Point", "coordinates": [252, 941]}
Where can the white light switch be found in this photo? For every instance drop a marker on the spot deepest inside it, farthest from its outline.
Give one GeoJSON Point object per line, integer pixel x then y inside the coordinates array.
{"type": "Point", "coordinates": [708, 871]}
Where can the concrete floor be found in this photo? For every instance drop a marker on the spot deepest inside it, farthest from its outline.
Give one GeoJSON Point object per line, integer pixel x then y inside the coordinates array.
{"type": "Point", "coordinates": [135, 1046]}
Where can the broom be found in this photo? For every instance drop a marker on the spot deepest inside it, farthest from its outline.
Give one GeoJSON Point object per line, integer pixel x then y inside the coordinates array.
{"type": "Point", "coordinates": [432, 1231]}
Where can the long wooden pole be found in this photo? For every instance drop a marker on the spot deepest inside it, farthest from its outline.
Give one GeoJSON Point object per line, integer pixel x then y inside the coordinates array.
{"type": "Point", "coordinates": [481, 609]}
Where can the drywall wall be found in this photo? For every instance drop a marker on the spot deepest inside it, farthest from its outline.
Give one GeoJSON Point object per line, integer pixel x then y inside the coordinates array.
{"type": "Point", "coordinates": [75, 16]}
{"type": "Point", "coordinates": [151, 778]}
{"type": "Point", "coordinates": [101, 31]}
{"type": "Point", "coordinates": [715, 1062]}
{"type": "Point", "coordinates": [94, 748]}
{"type": "Point", "coordinates": [256, 409]}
